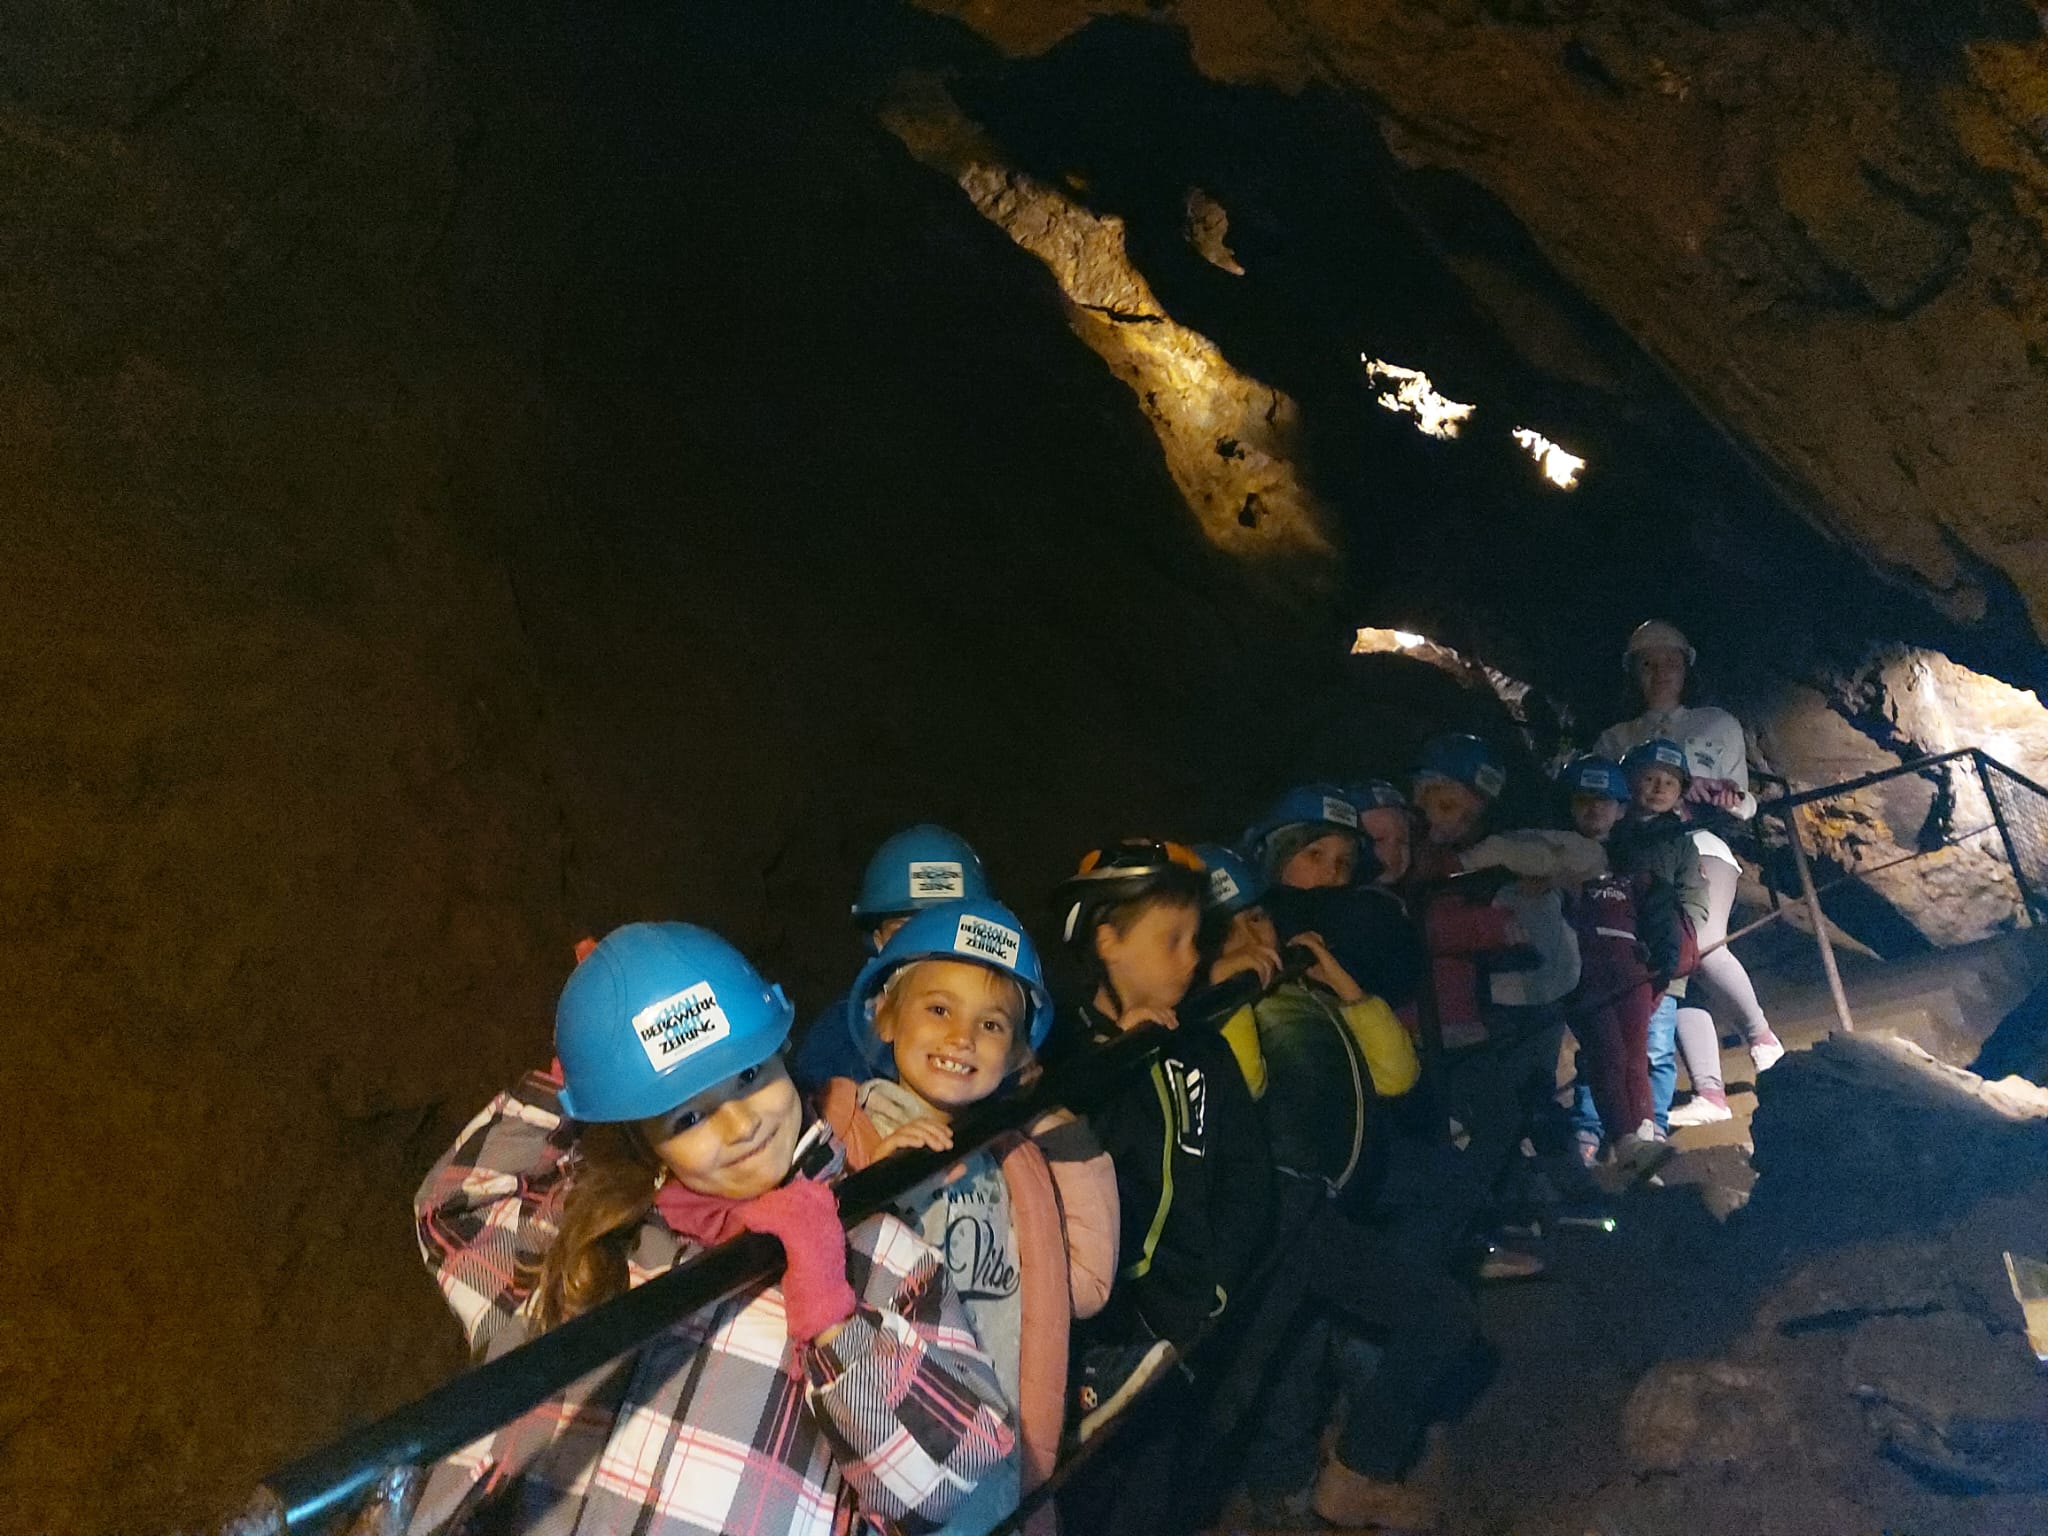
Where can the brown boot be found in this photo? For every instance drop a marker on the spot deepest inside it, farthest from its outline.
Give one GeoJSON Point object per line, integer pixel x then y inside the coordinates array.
{"type": "Point", "coordinates": [1355, 1502]}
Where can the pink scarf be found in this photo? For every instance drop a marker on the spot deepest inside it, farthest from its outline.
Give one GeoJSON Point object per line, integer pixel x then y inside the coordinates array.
{"type": "Point", "coordinates": [707, 1219]}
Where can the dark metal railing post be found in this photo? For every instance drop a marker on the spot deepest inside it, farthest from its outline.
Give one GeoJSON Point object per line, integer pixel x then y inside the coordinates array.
{"type": "Point", "coordinates": [1820, 920]}
{"type": "Point", "coordinates": [2012, 857]}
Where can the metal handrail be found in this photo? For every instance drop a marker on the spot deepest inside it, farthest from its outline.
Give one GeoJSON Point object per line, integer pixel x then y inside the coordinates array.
{"type": "Point", "coordinates": [1790, 802]}
{"type": "Point", "coordinates": [317, 1490]}
{"type": "Point", "coordinates": [1787, 805]}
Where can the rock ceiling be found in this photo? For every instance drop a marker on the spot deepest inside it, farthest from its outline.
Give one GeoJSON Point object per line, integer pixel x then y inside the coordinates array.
{"type": "Point", "coordinates": [1824, 224]}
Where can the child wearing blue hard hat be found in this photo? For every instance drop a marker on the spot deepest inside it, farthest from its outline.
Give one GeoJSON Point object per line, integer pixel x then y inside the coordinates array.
{"type": "Point", "coordinates": [1318, 856]}
{"type": "Point", "coordinates": [1502, 959]}
{"type": "Point", "coordinates": [1386, 822]}
{"type": "Point", "coordinates": [1308, 837]}
{"type": "Point", "coordinates": [919, 867]}
{"type": "Point", "coordinates": [1333, 1055]}
{"type": "Point", "coordinates": [950, 1009]}
{"type": "Point", "coordinates": [1654, 846]}
{"type": "Point", "coordinates": [1618, 1013]}
{"type": "Point", "coordinates": [668, 1126]}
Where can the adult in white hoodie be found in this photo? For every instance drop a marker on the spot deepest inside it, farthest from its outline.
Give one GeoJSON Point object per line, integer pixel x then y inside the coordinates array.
{"type": "Point", "coordinates": [1659, 660]}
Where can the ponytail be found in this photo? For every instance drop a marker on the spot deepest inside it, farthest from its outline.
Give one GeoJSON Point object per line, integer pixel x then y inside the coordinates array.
{"type": "Point", "coordinates": [611, 1190]}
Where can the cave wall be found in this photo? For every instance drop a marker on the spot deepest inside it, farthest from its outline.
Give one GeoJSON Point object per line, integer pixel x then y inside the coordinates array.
{"type": "Point", "coordinates": [472, 479]}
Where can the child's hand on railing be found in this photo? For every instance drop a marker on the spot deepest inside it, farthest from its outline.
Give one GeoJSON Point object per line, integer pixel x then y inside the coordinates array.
{"type": "Point", "coordinates": [1721, 794]}
{"type": "Point", "coordinates": [1137, 1018]}
{"type": "Point", "coordinates": [1252, 957]}
{"type": "Point", "coordinates": [1326, 969]}
{"type": "Point", "coordinates": [934, 1135]}
{"type": "Point", "coordinates": [804, 1217]}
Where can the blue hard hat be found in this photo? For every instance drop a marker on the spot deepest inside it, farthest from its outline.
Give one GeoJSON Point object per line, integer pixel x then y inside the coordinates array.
{"type": "Point", "coordinates": [981, 932]}
{"type": "Point", "coordinates": [917, 868]}
{"type": "Point", "coordinates": [1305, 805]}
{"type": "Point", "coordinates": [658, 1013]}
{"type": "Point", "coordinates": [1658, 752]}
{"type": "Point", "coordinates": [1235, 882]}
{"type": "Point", "coordinates": [1375, 795]}
{"type": "Point", "coordinates": [1595, 776]}
{"type": "Point", "coordinates": [1464, 759]}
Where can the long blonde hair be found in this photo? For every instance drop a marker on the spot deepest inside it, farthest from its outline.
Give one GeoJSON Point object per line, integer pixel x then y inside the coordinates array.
{"type": "Point", "coordinates": [611, 1190]}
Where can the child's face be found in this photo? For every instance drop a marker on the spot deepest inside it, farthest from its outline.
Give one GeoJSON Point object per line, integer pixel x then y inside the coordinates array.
{"type": "Point", "coordinates": [1451, 810]}
{"type": "Point", "coordinates": [1595, 815]}
{"type": "Point", "coordinates": [1251, 929]}
{"type": "Point", "coordinates": [955, 1028]}
{"type": "Point", "coordinates": [1327, 861]}
{"type": "Point", "coordinates": [1151, 965]}
{"type": "Point", "coordinates": [1656, 790]}
{"type": "Point", "coordinates": [735, 1139]}
{"type": "Point", "coordinates": [1389, 828]}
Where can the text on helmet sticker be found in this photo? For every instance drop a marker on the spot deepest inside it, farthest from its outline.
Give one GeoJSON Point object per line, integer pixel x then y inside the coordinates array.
{"type": "Point", "coordinates": [984, 940]}
{"type": "Point", "coordinates": [679, 1026]}
{"type": "Point", "coordinates": [1489, 780]}
{"type": "Point", "coordinates": [1340, 812]}
{"type": "Point", "coordinates": [1670, 756]}
{"type": "Point", "coordinates": [1222, 888]}
{"type": "Point", "coordinates": [937, 880]}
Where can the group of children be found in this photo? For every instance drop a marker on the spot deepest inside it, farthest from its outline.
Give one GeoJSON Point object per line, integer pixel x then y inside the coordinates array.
{"type": "Point", "coordinates": [1303, 1187]}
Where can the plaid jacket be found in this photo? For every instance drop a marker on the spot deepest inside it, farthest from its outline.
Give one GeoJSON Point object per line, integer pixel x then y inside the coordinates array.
{"type": "Point", "coordinates": [720, 1424]}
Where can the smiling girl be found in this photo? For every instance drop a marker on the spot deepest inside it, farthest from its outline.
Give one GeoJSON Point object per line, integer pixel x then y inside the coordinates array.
{"type": "Point", "coordinates": [847, 1392]}
{"type": "Point", "coordinates": [951, 1009]}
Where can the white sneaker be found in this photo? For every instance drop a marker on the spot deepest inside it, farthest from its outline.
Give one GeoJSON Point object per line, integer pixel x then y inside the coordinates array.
{"type": "Point", "coordinates": [1700, 1112]}
{"type": "Point", "coordinates": [1767, 1055]}
{"type": "Point", "coordinates": [1649, 1130]}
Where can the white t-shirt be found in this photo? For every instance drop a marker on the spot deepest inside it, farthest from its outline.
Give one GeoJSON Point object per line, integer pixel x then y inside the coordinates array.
{"type": "Point", "coordinates": [1712, 738]}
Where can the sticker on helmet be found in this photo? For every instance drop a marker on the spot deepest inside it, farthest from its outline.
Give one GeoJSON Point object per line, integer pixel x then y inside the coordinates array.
{"type": "Point", "coordinates": [984, 940]}
{"type": "Point", "coordinates": [679, 1026]}
{"type": "Point", "coordinates": [1221, 887]}
{"type": "Point", "coordinates": [937, 880]}
{"type": "Point", "coordinates": [1489, 780]}
{"type": "Point", "coordinates": [1340, 812]}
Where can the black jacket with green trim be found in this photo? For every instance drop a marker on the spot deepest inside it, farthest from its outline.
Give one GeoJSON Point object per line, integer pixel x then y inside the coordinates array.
{"type": "Point", "coordinates": [1194, 1184]}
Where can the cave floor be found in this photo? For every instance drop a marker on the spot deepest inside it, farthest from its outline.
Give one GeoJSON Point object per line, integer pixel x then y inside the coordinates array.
{"type": "Point", "coordinates": [1826, 1348]}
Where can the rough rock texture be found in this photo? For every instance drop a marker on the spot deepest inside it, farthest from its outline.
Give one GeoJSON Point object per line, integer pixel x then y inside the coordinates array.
{"type": "Point", "coordinates": [1898, 706]}
{"type": "Point", "coordinates": [1827, 222]}
{"type": "Point", "coordinates": [1230, 442]}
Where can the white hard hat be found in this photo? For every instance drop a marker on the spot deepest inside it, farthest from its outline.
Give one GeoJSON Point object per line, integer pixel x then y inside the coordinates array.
{"type": "Point", "coordinates": [1656, 635]}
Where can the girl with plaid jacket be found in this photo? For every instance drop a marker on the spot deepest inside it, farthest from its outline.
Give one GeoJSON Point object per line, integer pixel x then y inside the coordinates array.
{"type": "Point", "coordinates": [848, 1396]}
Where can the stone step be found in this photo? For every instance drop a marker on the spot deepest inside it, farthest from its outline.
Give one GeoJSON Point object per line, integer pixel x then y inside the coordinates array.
{"type": "Point", "coordinates": [1948, 1001]}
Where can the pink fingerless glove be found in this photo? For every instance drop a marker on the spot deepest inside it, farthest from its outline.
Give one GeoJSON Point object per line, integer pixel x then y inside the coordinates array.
{"type": "Point", "coordinates": [804, 1216]}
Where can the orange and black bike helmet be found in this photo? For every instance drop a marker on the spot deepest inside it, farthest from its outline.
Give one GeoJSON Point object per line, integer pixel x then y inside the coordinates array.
{"type": "Point", "coordinates": [1123, 871]}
